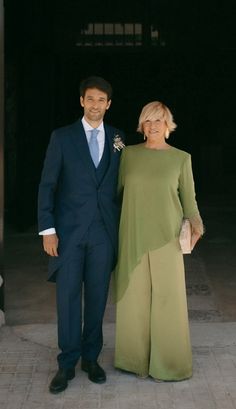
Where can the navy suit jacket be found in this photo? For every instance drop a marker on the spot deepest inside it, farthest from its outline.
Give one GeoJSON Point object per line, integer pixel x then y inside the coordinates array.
{"type": "Point", "coordinates": [69, 193]}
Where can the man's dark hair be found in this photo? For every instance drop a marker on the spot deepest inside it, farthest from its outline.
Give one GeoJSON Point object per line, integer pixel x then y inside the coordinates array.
{"type": "Point", "coordinates": [96, 82]}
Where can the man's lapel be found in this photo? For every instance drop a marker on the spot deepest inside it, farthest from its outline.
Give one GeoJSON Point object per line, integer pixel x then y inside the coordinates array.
{"type": "Point", "coordinates": [109, 134]}
{"type": "Point", "coordinates": [81, 144]}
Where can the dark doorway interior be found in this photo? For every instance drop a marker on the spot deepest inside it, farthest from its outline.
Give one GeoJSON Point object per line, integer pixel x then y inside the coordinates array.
{"type": "Point", "coordinates": [177, 53]}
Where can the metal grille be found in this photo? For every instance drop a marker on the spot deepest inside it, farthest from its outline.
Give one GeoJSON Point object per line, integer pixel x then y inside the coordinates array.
{"type": "Point", "coordinates": [114, 35]}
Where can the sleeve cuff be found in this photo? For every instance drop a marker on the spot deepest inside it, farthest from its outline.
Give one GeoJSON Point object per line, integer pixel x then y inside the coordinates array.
{"type": "Point", "coordinates": [46, 232]}
{"type": "Point", "coordinates": [197, 225]}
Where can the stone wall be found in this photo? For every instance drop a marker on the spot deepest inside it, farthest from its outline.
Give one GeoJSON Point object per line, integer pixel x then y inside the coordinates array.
{"type": "Point", "coordinates": [2, 318]}
{"type": "Point", "coordinates": [1, 154]}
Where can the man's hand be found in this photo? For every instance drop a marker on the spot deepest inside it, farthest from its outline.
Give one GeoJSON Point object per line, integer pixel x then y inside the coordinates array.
{"type": "Point", "coordinates": [50, 244]}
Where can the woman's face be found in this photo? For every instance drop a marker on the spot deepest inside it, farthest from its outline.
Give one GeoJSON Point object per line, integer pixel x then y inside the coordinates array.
{"type": "Point", "coordinates": [155, 129]}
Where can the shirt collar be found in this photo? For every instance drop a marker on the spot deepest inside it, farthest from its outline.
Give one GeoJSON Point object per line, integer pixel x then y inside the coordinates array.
{"type": "Point", "coordinates": [88, 127]}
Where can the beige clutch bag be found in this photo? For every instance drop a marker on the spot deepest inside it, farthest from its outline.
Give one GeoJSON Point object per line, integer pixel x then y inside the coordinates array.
{"type": "Point", "coordinates": [185, 237]}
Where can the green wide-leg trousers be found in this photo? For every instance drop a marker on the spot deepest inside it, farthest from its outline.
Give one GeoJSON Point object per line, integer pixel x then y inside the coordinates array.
{"type": "Point", "coordinates": [152, 330]}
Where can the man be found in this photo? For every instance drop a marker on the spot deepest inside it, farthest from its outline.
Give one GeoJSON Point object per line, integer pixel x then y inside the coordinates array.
{"type": "Point", "coordinates": [78, 218]}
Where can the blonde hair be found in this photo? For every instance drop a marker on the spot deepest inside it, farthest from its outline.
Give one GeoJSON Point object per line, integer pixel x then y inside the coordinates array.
{"type": "Point", "coordinates": [156, 110]}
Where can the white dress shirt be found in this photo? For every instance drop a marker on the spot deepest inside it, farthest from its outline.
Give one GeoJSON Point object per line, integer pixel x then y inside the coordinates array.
{"type": "Point", "coordinates": [100, 136]}
{"type": "Point", "coordinates": [101, 143]}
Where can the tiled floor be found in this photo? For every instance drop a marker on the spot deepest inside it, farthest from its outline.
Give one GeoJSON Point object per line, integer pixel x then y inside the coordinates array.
{"type": "Point", "coordinates": [26, 368]}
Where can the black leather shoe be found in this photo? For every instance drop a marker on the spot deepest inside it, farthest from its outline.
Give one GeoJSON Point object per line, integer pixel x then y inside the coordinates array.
{"type": "Point", "coordinates": [95, 372]}
{"type": "Point", "coordinates": [60, 381]}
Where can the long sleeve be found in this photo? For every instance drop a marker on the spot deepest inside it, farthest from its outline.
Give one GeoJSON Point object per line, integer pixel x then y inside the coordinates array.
{"type": "Point", "coordinates": [48, 184]}
{"type": "Point", "coordinates": [188, 196]}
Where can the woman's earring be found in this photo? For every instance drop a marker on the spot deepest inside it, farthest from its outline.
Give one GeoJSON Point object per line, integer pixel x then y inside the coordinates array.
{"type": "Point", "coordinates": [167, 133]}
{"type": "Point", "coordinates": [144, 137]}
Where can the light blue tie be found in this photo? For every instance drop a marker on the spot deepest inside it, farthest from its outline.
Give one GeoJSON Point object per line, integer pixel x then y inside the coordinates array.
{"type": "Point", "coordinates": [93, 147]}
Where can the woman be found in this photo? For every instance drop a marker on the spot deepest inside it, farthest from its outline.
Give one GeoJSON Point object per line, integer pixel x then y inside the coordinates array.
{"type": "Point", "coordinates": [152, 336]}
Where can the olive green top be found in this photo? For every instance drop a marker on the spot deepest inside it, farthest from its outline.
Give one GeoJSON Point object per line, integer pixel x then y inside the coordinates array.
{"type": "Point", "coordinates": [158, 191]}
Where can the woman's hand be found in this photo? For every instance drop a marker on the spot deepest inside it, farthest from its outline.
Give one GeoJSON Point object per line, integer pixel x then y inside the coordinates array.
{"type": "Point", "coordinates": [194, 239]}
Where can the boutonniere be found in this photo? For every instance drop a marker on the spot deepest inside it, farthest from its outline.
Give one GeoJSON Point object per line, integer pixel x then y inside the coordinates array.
{"type": "Point", "coordinates": [118, 144]}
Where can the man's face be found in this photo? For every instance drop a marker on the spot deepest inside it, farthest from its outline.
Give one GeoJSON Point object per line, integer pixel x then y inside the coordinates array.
{"type": "Point", "coordinates": [95, 104]}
